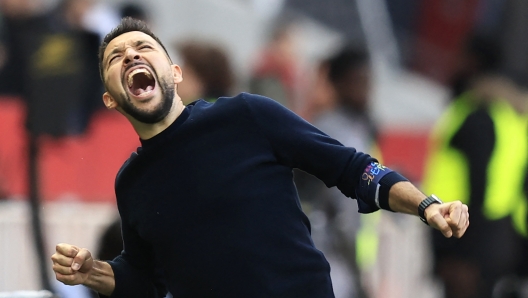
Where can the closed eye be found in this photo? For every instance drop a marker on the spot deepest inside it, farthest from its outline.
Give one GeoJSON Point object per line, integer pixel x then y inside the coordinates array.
{"type": "Point", "coordinates": [112, 59]}
{"type": "Point", "coordinates": [145, 47]}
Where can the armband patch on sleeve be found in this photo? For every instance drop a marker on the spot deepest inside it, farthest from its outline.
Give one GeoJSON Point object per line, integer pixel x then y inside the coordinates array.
{"type": "Point", "coordinates": [374, 186]}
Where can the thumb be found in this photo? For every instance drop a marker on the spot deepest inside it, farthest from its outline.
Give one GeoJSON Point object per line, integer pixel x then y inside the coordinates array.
{"type": "Point", "coordinates": [82, 261]}
{"type": "Point", "coordinates": [438, 222]}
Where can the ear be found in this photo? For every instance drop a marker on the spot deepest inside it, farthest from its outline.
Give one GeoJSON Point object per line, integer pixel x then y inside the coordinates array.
{"type": "Point", "coordinates": [109, 101]}
{"type": "Point", "coordinates": [177, 73]}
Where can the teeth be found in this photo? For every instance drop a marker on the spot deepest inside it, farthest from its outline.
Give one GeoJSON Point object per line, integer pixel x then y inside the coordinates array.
{"type": "Point", "coordinates": [135, 72]}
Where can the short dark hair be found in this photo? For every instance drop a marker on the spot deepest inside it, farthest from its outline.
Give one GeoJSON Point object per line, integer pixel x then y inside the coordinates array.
{"type": "Point", "coordinates": [349, 57]}
{"type": "Point", "coordinates": [127, 24]}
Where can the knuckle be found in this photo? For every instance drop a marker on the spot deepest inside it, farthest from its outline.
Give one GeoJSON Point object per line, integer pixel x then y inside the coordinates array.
{"type": "Point", "coordinates": [86, 253]}
{"type": "Point", "coordinates": [61, 269]}
{"type": "Point", "coordinates": [68, 279]}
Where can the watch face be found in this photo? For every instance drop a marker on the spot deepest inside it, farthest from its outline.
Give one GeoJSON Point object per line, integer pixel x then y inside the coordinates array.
{"type": "Point", "coordinates": [436, 199]}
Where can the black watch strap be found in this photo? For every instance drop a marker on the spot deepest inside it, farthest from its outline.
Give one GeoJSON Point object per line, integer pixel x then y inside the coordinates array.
{"type": "Point", "coordinates": [432, 199]}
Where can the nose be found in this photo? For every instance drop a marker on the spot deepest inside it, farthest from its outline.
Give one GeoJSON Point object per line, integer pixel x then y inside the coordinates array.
{"type": "Point", "coordinates": [131, 55]}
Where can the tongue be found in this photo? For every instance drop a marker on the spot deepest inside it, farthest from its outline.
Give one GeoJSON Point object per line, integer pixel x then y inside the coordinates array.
{"type": "Point", "coordinates": [141, 84]}
{"type": "Point", "coordinates": [139, 91]}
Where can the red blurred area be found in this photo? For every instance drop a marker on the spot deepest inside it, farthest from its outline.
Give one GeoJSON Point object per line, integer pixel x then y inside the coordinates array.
{"type": "Point", "coordinates": [443, 26]}
{"type": "Point", "coordinates": [405, 151]}
{"type": "Point", "coordinates": [84, 167]}
{"type": "Point", "coordinates": [73, 167]}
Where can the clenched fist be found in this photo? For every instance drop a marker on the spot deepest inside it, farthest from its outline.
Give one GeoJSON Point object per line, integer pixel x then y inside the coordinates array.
{"type": "Point", "coordinates": [452, 219]}
{"type": "Point", "coordinates": [72, 265]}
{"type": "Point", "coordinates": [75, 266]}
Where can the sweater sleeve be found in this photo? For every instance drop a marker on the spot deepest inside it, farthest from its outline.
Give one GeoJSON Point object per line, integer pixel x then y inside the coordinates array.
{"type": "Point", "coordinates": [134, 270]}
{"type": "Point", "coordinates": [298, 144]}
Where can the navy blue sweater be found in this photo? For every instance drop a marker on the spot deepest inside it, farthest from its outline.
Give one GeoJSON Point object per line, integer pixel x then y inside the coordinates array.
{"type": "Point", "coordinates": [209, 207]}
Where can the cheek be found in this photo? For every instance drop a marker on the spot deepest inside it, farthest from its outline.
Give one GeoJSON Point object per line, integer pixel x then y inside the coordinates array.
{"type": "Point", "coordinates": [117, 93]}
{"type": "Point", "coordinates": [113, 82]}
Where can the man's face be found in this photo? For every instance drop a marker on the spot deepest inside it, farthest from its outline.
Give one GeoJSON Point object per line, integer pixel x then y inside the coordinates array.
{"type": "Point", "coordinates": [139, 78]}
{"type": "Point", "coordinates": [355, 88]}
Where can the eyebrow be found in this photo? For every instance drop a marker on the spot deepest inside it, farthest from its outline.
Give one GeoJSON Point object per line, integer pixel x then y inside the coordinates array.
{"type": "Point", "coordinates": [120, 48]}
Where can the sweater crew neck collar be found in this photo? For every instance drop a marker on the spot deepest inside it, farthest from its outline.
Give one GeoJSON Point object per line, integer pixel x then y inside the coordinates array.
{"type": "Point", "coordinates": [165, 134]}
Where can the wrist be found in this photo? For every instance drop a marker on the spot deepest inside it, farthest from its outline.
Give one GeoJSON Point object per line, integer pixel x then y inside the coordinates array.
{"type": "Point", "coordinates": [425, 204]}
{"type": "Point", "coordinates": [101, 278]}
{"type": "Point", "coordinates": [386, 183]}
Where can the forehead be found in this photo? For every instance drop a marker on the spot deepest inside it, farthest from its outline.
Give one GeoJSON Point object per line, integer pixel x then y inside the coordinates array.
{"type": "Point", "coordinates": [128, 39]}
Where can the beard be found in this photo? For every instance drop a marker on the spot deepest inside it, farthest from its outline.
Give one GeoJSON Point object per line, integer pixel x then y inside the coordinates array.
{"type": "Point", "coordinates": [156, 114]}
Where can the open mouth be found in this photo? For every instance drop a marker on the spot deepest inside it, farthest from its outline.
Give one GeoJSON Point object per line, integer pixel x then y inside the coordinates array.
{"type": "Point", "coordinates": [140, 82]}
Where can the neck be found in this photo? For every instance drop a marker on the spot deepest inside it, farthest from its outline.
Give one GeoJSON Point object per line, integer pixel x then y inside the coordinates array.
{"type": "Point", "coordinates": [147, 131]}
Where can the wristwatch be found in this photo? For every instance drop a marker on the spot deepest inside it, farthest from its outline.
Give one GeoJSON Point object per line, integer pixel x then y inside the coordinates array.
{"type": "Point", "coordinates": [432, 199]}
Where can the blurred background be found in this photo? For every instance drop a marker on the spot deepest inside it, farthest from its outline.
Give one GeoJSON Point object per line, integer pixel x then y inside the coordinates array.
{"type": "Point", "coordinates": [435, 88]}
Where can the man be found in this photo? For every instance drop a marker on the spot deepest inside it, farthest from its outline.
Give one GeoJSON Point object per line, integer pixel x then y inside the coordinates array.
{"type": "Point", "coordinates": [208, 205]}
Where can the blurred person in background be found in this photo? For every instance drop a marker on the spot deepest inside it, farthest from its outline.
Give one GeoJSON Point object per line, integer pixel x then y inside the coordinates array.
{"type": "Point", "coordinates": [322, 95]}
{"type": "Point", "coordinates": [276, 71]}
{"type": "Point", "coordinates": [342, 97]}
{"type": "Point", "coordinates": [85, 20]}
{"type": "Point", "coordinates": [50, 67]}
{"type": "Point", "coordinates": [349, 74]}
{"type": "Point", "coordinates": [50, 49]}
{"type": "Point", "coordinates": [110, 241]}
{"type": "Point", "coordinates": [224, 222]}
{"type": "Point", "coordinates": [208, 71]}
{"type": "Point", "coordinates": [478, 154]}
{"type": "Point", "coordinates": [18, 18]}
